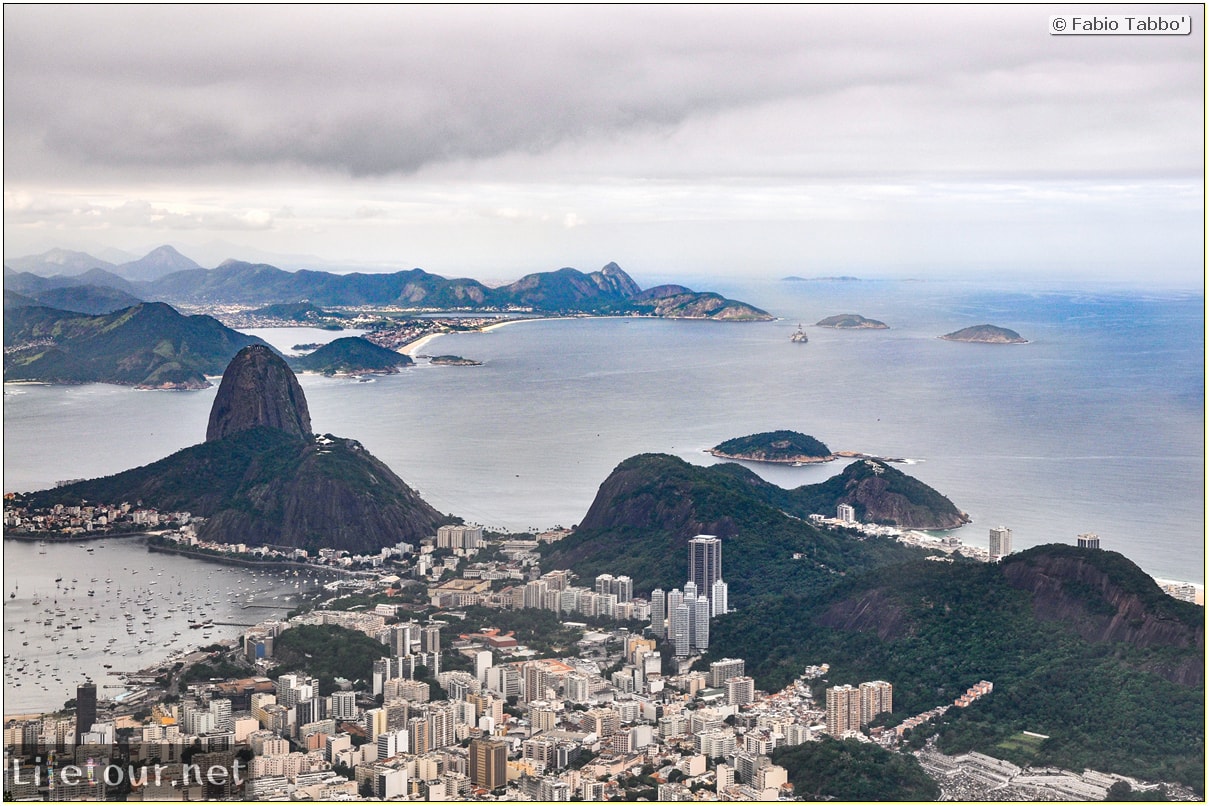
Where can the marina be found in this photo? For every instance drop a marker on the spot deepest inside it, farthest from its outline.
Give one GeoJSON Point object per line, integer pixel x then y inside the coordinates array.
{"type": "Point", "coordinates": [61, 629]}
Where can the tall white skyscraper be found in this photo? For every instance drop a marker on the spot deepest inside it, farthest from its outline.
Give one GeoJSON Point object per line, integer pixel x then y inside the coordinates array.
{"type": "Point", "coordinates": [679, 630]}
{"type": "Point", "coordinates": [705, 562]}
{"type": "Point", "coordinates": [674, 597]}
{"type": "Point", "coordinates": [701, 623]}
{"type": "Point", "coordinates": [658, 613]}
{"type": "Point", "coordinates": [718, 598]}
{"type": "Point", "coordinates": [1001, 543]}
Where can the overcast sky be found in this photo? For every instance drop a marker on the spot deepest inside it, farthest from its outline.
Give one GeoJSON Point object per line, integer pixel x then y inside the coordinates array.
{"type": "Point", "coordinates": [677, 140]}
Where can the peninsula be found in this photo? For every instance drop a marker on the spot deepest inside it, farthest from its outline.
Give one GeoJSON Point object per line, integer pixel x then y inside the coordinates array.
{"type": "Point", "coordinates": [986, 334]}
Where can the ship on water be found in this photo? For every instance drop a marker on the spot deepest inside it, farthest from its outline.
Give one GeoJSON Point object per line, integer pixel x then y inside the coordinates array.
{"type": "Point", "coordinates": [799, 335]}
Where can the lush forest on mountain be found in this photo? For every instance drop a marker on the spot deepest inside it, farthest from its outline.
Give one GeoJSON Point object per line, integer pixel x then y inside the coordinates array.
{"type": "Point", "coordinates": [851, 770]}
{"type": "Point", "coordinates": [1061, 663]}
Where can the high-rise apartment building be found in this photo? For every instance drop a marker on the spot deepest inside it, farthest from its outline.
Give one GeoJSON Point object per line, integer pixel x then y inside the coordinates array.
{"type": "Point", "coordinates": [843, 709]}
{"type": "Point", "coordinates": [604, 583]}
{"type": "Point", "coordinates": [1001, 543]}
{"type": "Point", "coordinates": [344, 705]}
{"type": "Point", "coordinates": [679, 634]}
{"type": "Point", "coordinates": [719, 598]}
{"type": "Point", "coordinates": [845, 513]}
{"type": "Point", "coordinates": [722, 670]}
{"type": "Point", "coordinates": [430, 640]}
{"type": "Point", "coordinates": [740, 691]}
{"type": "Point", "coordinates": [700, 638]}
{"type": "Point", "coordinates": [488, 763]}
{"type": "Point", "coordinates": [877, 696]}
{"type": "Point", "coordinates": [705, 562]}
{"type": "Point", "coordinates": [658, 613]}
{"type": "Point", "coordinates": [399, 639]}
{"type": "Point", "coordinates": [849, 707]}
{"type": "Point", "coordinates": [86, 709]}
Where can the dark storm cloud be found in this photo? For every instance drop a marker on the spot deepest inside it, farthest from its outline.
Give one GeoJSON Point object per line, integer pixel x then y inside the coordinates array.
{"type": "Point", "coordinates": [378, 90]}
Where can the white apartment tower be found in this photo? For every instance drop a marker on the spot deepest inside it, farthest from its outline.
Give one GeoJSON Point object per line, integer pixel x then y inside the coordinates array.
{"type": "Point", "coordinates": [701, 623]}
{"type": "Point", "coordinates": [718, 597]}
{"type": "Point", "coordinates": [1001, 543]}
{"type": "Point", "coordinates": [658, 613]}
{"type": "Point", "coordinates": [845, 513]}
{"type": "Point", "coordinates": [679, 629]}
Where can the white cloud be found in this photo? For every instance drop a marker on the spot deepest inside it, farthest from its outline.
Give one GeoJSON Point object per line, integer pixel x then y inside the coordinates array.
{"type": "Point", "coordinates": [444, 136]}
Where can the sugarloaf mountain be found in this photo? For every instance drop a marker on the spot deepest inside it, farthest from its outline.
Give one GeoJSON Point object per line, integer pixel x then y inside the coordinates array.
{"type": "Point", "coordinates": [262, 478]}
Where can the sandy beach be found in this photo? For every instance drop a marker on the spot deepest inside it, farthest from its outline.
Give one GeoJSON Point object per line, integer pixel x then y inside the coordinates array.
{"type": "Point", "coordinates": [413, 349]}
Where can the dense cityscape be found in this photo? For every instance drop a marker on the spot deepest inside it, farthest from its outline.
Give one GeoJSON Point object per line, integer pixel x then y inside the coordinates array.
{"type": "Point", "coordinates": [448, 712]}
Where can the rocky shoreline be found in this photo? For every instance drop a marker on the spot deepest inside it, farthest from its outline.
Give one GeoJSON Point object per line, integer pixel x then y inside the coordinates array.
{"type": "Point", "coordinates": [802, 459]}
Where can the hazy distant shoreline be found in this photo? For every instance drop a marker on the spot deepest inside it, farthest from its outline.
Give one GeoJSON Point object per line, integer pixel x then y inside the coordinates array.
{"type": "Point", "coordinates": [412, 348]}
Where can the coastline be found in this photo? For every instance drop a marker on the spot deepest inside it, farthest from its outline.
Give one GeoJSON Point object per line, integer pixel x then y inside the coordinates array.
{"type": "Point", "coordinates": [412, 348]}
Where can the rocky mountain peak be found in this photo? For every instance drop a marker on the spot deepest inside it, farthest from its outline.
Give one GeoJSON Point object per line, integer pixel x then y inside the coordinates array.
{"type": "Point", "coordinates": [258, 389]}
{"type": "Point", "coordinates": [617, 281]}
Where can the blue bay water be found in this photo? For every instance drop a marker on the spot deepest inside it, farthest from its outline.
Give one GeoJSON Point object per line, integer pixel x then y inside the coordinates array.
{"type": "Point", "coordinates": [1096, 425]}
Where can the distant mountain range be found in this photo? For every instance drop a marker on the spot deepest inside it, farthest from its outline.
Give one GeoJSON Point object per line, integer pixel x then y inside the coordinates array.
{"type": "Point", "coordinates": [157, 263]}
{"type": "Point", "coordinates": [166, 275]}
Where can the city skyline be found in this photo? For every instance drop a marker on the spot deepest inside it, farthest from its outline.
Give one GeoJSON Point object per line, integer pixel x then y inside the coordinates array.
{"type": "Point", "coordinates": [678, 141]}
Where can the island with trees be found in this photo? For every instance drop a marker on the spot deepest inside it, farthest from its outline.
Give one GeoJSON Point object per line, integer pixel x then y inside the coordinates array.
{"type": "Point", "coordinates": [780, 447]}
{"type": "Point", "coordinates": [851, 321]}
{"type": "Point", "coordinates": [454, 361]}
{"type": "Point", "coordinates": [986, 334]}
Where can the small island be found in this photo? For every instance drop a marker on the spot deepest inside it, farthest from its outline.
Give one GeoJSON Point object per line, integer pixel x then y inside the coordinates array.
{"type": "Point", "coordinates": [780, 447]}
{"type": "Point", "coordinates": [986, 334]}
{"type": "Point", "coordinates": [851, 321]}
{"type": "Point", "coordinates": [351, 355]}
{"type": "Point", "coordinates": [454, 361]}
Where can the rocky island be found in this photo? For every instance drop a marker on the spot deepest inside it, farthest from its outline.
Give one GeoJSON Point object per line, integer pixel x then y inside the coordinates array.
{"type": "Point", "coordinates": [851, 321]}
{"type": "Point", "coordinates": [352, 355]}
{"type": "Point", "coordinates": [780, 447]}
{"type": "Point", "coordinates": [986, 334]}
{"type": "Point", "coordinates": [454, 361]}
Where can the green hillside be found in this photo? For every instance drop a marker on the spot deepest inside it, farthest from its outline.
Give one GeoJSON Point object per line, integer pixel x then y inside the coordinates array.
{"type": "Point", "coordinates": [652, 504]}
{"type": "Point", "coordinates": [148, 345]}
{"type": "Point", "coordinates": [265, 486]}
{"type": "Point", "coordinates": [351, 354]}
{"type": "Point", "coordinates": [1078, 643]}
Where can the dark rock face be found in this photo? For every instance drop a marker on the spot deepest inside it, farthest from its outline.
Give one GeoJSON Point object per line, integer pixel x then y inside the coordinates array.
{"type": "Point", "coordinates": [873, 611]}
{"type": "Point", "coordinates": [331, 493]}
{"type": "Point", "coordinates": [886, 495]}
{"type": "Point", "coordinates": [1072, 590]}
{"type": "Point", "coordinates": [258, 389]}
